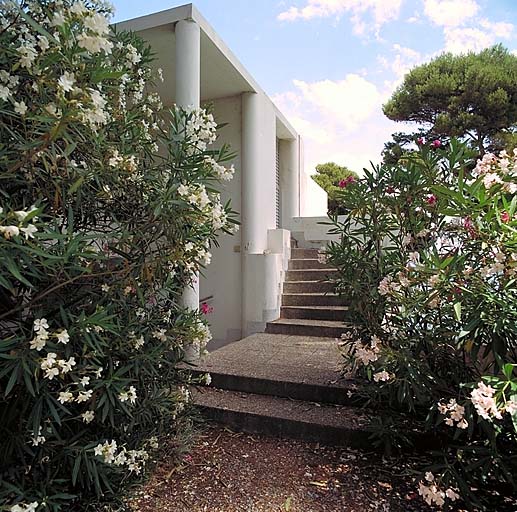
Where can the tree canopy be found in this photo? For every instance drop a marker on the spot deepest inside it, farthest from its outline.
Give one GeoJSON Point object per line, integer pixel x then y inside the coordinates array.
{"type": "Point", "coordinates": [328, 176]}
{"type": "Point", "coordinates": [472, 95]}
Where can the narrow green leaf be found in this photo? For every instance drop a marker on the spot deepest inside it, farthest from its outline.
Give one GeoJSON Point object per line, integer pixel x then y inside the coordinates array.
{"type": "Point", "coordinates": [75, 470]}
{"type": "Point", "coordinates": [12, 380]}
{"type": "Point", "coordinates": [457, 311]}
{"type": "Point", "coordinates": [76, 185]}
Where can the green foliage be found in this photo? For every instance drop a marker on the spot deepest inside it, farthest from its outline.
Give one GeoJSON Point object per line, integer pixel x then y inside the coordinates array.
{"type": "Point", "coordinates": [400, 145]}
{"type": "Point", "coordinates": [328, 176]}
{"type": "Point", "coordinates": [108, 205]}
{"type": "Point", "coordinates": [428, 263]}
{"type": "Point", "coordinates": [470, 95]}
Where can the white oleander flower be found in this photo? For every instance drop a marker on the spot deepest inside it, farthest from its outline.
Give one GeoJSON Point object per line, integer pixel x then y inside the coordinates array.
{"type": "Point", "coordinates": [94, 44]}
{"type": "Point", "coordinates": [39, 341]}
{"type": "Point", "coordinates": [65, 397]}
{"type": "Point", "coordinates": [66, 81]}
{"type": "Point", "coordinates": [160, 334]}
{"type": "Point", "coordinates": [66, 366]}
{"type": "Point", "coordinates": [58, 19]}
{"type": "Point", "coordinates": [63, 337]}
{"type": "Point", "coordinates": [382, 376]}
{"type": "Point", "coordinates": [183, 190]}
{"type": "Point", "coordinates": [38, 439]}
{"type": "Point", "coordinates": [88, 416]}
{"type": "Point", "coordinates": [139, 342]}
{"type": "Point", "coordinates": [9, 231]}
{"type": "Point", "coordinates": [49, 361]}
{"type": "Point", "coordinates": [5, 92]}
{"type": "Point", "coordinates": [43, 43]}
{"type": "Point", "coordinates": [40, 324]}
{"type": "Point", "coordinates": [50, 373]}
{"type": "Point", "coordinates": [29, 231]}
{"type": "Point", "coordinates": [20, 107]}
{"type": "Point", "coordinates": [97, 23]}
{"type": "Point", "coordinates": [84, 396]}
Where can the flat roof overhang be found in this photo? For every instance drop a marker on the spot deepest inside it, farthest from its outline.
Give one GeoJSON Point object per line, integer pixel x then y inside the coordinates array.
{"type": "Point", "coordinates": [222, 75]}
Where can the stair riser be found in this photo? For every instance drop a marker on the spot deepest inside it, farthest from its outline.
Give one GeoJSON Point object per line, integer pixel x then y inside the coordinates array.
{"type": "Point", "coordinates": [308, 287]}
{"type": "Point", "coordinates": [315, 314]}
{"type": "Point", "coordinates": [310, 275]}
{"type": "Point", "coordinates": [297, 254]}
{"type": "Point", "coordinates": [306, 330]}
{"type": "Point", "coordinates": [293, 390]}
{"type": "Point", "coordinates": [306, 264]}
{"type": "Point", "coordinates": [280, 427]}
{"type": "Point", "coordinates": [311, 300]}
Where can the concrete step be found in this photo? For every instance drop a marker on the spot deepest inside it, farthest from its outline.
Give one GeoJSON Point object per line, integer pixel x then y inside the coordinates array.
{"type": "Point", "coordinates": [302, 327]}
{"type": "Point", "coordinates": [308, 287]}
{"type": "Point", "coordinates": [298, 367]}
{"type": "Point", "coordinates": [304, 253]}
{"type": "Point", "coordinates": [322, 274]}
{"type": "Point", "coordinates": [311, 299]}
{"type": "Point", "coordinates": [332, 424]}
{"type": "Point", "coordinates": [339, 313]}
{"type": "Point", "coordinates": [306, 263]}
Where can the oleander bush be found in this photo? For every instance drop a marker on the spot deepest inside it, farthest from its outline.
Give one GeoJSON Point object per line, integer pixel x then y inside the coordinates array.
{"type": "Point", "coordinates": [427, 259]}
{"type": "Point", "coordinates": [108, 208]}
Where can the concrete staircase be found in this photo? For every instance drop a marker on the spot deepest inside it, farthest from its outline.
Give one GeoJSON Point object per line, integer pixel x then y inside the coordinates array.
{"type": "Point", "coordinates": [310, 307]}
{"type": "Point", "coordinates": [287, 381]}
{"type": "Point", "coordinates": [283, 385]}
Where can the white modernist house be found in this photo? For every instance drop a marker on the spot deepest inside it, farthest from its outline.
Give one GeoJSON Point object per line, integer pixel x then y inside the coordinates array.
{"type": "Point", "coordinates": [275, 197]}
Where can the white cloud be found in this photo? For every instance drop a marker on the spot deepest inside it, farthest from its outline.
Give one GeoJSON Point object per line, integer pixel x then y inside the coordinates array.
{"type": "Point", "coordinates": [450, 13]}
{"type": "Point", "coordinates": [339, 121]}
{"type": "Point", "coordinates": [405, 59]}
{"type": "Point", "coordinates": [498, 29]}
{"type": "Point", "coordinates": [381, 11]}
{"type": "Point", "coordinates": [400, 62]}
{"type": "Point", "coordinates": [461, 40]}
{"type": "Point", "coordinates": [348, 102]}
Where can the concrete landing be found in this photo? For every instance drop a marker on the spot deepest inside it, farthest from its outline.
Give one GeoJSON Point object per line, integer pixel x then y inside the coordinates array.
{"type": "Point", "coordinates": [297, 367]}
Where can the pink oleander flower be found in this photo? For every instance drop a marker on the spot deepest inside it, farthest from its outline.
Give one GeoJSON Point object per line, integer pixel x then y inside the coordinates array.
{"type": "Point", "coordinates": [483, 399]}
{"type": "Point", "coordinates": [347, 181]}
{"type": "Point", "coordinates": [469, 226]}
{"type": "Point", "coordinates": [436, 144]}
{"type": "Point", "coordinates": [505, 217]}
{"type": "Point", "coordinates": [206, 309]}
{"type": "Point", "coordinates": [431, 199]}
{"type": "Point", "coordinates": [420, 141]}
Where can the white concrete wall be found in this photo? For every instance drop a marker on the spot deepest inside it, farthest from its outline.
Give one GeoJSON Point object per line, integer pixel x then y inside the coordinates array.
{"type": "Point", "coordinates": [311, 232]}
{"type": "Point", "coordinates": [264, 281]}
{"type": "Point", "coordinates": [223, 277]}
{"type": "Point", "coordinates": [247, 285]}
{"type": "Point", "coordinates": [314, 202]}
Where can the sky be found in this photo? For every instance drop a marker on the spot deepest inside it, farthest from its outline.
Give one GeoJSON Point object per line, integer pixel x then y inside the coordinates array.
{"type": "Point", "coordinates": [330, 65]}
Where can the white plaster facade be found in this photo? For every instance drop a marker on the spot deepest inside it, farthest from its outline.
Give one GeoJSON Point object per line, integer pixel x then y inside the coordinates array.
{"type": "Point", "coordinates": [244, 281]}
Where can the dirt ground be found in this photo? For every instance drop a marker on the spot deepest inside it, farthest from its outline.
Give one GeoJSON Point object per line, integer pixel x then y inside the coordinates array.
{"type": "Point", "coordinates": [235, 472]}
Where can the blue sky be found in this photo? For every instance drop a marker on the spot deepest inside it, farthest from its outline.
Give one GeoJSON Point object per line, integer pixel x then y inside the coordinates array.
{"type": "Point", "coordinates": [331, 64]}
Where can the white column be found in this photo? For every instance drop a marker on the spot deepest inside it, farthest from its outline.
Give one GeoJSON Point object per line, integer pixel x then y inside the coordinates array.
{"type": "Point", "coordinates": [250, 178]}
{"type": "Point", "coordinates": [289, 174]}
{"type": "Point", "coordinates": [188, 84]}
{"type": "Point", "coordinates": [188, 63]}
